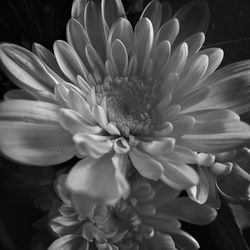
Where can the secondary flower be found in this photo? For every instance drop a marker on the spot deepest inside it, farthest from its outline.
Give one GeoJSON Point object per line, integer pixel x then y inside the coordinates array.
{"type": "Point", "coordinates": [148, 219]}
{"type": "Point", "coordinates": [124, 100]}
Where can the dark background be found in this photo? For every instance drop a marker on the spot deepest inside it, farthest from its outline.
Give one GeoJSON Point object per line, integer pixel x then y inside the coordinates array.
{"type": "Point", "coordinates": [43, 21]}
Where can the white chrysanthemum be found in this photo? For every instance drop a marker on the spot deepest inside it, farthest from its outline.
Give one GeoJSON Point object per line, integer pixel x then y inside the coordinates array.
{"type": "Point", "coordinates": [147, 220]}
{"type": "Point", "coordinates": [113, 95]}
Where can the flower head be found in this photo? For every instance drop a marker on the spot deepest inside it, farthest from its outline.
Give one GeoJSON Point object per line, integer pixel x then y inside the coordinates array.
{"type": "Point", "coordinates": [148, 219]}
{"type": "Point", "coordinates": [124, 100]}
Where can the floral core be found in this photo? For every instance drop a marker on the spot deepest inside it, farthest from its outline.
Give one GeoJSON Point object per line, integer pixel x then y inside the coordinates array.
{"type": "Point", "coordinates": [127, 101]}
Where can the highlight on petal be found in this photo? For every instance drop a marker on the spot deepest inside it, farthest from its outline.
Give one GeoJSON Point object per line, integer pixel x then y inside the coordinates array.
{"type": "Point", "coordinates": [178, 175]}
{"type": "Point", "coordinates": [69, 61]}
{"type": "Point", "coordinates": [93, 146]}
{"type": "Point", "coordinates": [191, 212]}
{"type": "Point", "coordinates": [153, 12]}
{"type": "Point", "coordinates": [101, 180]}
{"type": "Point", "coordinates": [145, 164]}
{"type": "Point", "coordinates": [193, 18]}
{"type": "Point", "coordinates": [25, 69]}
{"type": "Point", "coordinates": [30, 133]}
{"type": "Point", "coordinates": [112, 10]}
{"type": "Point", "coordinates": [67, 242]}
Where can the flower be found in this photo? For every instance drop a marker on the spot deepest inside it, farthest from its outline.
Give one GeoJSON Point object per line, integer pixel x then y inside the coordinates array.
{"type": "Point", "coordinates": [148, 219]}
{"type": "Point", "coordinates": [124, 100]}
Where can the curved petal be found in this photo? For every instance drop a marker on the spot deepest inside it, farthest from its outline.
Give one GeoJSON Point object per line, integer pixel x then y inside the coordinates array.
{"type": "Point", "coordinates": [18, 94]}
{"type": "Point", "coordinates": [25, 69]}
{"type": "Point", "coordinates": [153, 12]}
{"type": "Point", "coordinates": [101, 180]}
{"type": "Point", "coordinates": [145, 164]}
{"type": "Point", "coordinates": [178, 175]}
{"type": "Point", "coordinates": [184, 240]}
{"type": "Point", "coordinates": [112, 10]}
{"type": "Point", "coordinates": [193, 18]}
{"type": "Point", "coordinates": [35, 144]}
{"type": "Point", "coordinates": [229, 88]}
{"type": "Point", "coordinates": [185, 209]}
{"type": "Point", "coordinates": [68, 242]}
{"type": "Point", "coordinates": [69, 61]}
{"type": "Point", "coordinates": [217, 131]}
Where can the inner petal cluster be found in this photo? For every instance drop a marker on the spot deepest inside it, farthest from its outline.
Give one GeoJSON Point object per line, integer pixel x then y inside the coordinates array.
{"type": "Point", "coordinates": [127, 101]}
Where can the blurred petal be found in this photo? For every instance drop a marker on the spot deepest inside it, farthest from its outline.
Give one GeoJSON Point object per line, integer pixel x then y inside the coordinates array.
{"type": "Point", "coordinates": [68, 242]}
{"type": "Point", "coordinates": [99, 180]}
{"type": "Point", "coordinates": [184, 240]}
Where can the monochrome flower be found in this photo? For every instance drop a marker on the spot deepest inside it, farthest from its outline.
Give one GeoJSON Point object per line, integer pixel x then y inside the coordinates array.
{"type": "Point", "coordinates": [124, 100]}
{"type": "Point", "coordinates": [148, 219]}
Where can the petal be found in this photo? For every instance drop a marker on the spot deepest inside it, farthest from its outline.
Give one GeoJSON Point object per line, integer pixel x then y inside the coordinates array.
{"type": "Point", "coordinates": [178, 59]}
{"type": "Point", "coordinates": [93, 146]}
{"type": "Point", "coordinates": [36, 144]}
{"type": "Point", "coordinates": [77, 37]}
{"type": "Point", "coordinates": [153, 12]}
{"type": "Point", "coordinates": [199, 193]}
{"type": "Point", "coordinates": [144, 36]}
{"type": "Point", "coordinates": [99, 180]}
{"type": "Point", "coordinates": [119, 58]}
{"type": "Point", "coordinates": [178, 175]}
{"type": "Point", "coordinates": [229, 88]}
{"type": "Point", "coordinates": [112, 10]}
{"type": "Point", "coordinates": [49, 61]}
{"type": "Point", "coordinates": [184, 240]}
{"type": "Point", "coordinates": [18, 94]}
{"type": "Point", "coordinates": [169, 31]}
{"type": "Point", "coordinates": [123, 31]}
{"type": "Point", "coordinates": [146, 165]}
{"type": "Point", "coordinates": [75, 123]}
{"type": "Point", "coordinates": [195, 43]}
{"type": "Point", "coordinates": [166, 12]}
{"type": "Point", "coordinates": [25, 69]}
{"type": "Point", "coordinates": [184, 209]}
{"type": "Point", "coordinates": [161, 147]}
{"type": "Point", "coordinates": [193, 18]}
{"type": "Point", "coordinates": [217, 131]}
{"type": "Point", "coordinates": [68, 242]}
{"type": "Point", "coordinates": [69, 61]}
{"type": "Point", "coordinates": [95, 28]}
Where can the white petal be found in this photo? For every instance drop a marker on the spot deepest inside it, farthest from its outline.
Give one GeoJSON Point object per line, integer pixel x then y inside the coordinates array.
{"type": "Point", "coordinates": [93, 146]}
{"type": "Point", "coordinates": [145, 164]}
{"type": "Point", "coordinates": [169, 31]}
{"type": "Point", "coordinates": [69, 61]}
{"type": "Point", "coordinates": [119, 58]}
{"type": "Point", "coordinates": [144, 35]}
{"type": "Point", "coordinates": [112, 10]}
{"type": "Point", "coordinates": [153, 12]}
{"type": "Point", "coordinates": [25, 69]}
{"type": "Point", "coordinates": [178, 175]}
{"type": "Point", "coordinates": [97, 179]}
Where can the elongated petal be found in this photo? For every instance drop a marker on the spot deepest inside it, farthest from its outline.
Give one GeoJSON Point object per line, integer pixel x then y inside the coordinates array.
{"type": "Point", "coordinates": [119, 58]}
{"type": "Point", "coordinates": [77, 37]}
{"type": "Point", "coordinates": [96, 180]}
{"type": "Point", "coordinates": [153, 12]}
{"type": "Point", "coordinates": [144, 35]}
{"type": "Point", "coordinates": [69, 61]}
{"type": "Point", "coordinates": [200, 192]}
{"type": "Point", "coordinates": [191, 211]}
{"type": "Point", "coordinates": [112, 10]}
{"type": "Point", "coordinates": [193, 18]}
{"type": "Point", "coordinates": [35, 144]}
{"type": "Point", "coordinates": [18, 94]}
{"type": "Point", "coordinates": [178, 175]}
{"type": "Point", "coordinates": [145, 164]}
{"type": "Point", "coordinates": [216, 131]}
{"type": "Point", "coordinates": [67, 242]}
{"type": "Point", "coordinates": [93, 146]}
{"type": "Point", "coordinates": [184, 240]}
{"type": "Point", "coordinates": [25, 69]}
{"type": "Point", "coordinates": [95, 29]}
{"type": "Point", "coordinates": [229, 88]}
{"type": "Point", "coordinates": [49, 61]}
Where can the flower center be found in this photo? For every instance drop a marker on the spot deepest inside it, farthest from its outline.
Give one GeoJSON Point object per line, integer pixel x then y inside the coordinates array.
{"type": "Point", "coordinates": [127, 104]}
